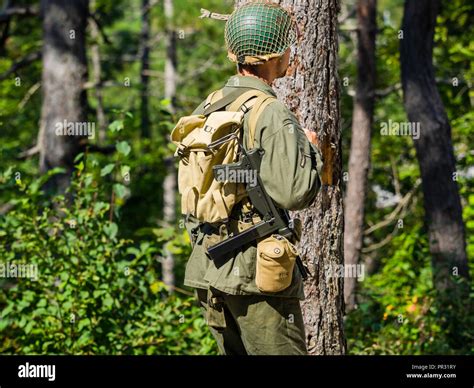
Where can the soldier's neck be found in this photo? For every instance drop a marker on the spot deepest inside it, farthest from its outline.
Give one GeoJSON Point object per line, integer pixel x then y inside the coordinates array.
{"type": "Point", "coordinates": [267, 78]}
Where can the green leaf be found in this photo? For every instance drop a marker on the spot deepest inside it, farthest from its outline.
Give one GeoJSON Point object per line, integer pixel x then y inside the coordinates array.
{"type": "Point", "coordinates": [78, 157]}
{"type": "Point", "coordinates": [107, 169]}
{"type": "Point", "coordinates": [133, 251]}
{"type": "Point", "coordinates": [111, 230]}
{"type": "Point", "coordinates": [42, 303]}
{"type": "Point", "coordinates": [38, 183]}
{"type": "Point", "coordinates": [8, 172]}
{"type": "Point", "coordinates": [119, 190]}
{"type": "Point", "coordinates": [165, 102]}
{"type": "Point", "coordinates": [123, 147]}
{"type": "Point", "coordinates": [108, 301]}
{"type": "Point", "coordinates": [29, 326]}
{"type": "Point", "coordinates": [98, 206]}
{"type": "Point", "coordinates": [80, 166]}
{"type": "Point", "coordinates": [82, 323]}
{"type": "Point", "coordinates": [116, 126]}
{"type": "Point", "coordinates": [97, 293]}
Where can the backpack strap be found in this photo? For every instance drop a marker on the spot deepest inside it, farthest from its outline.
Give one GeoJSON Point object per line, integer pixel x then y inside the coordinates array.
{"type": "Point", "coordinates": [256, 101]}
{"type": "Point", "coordinates": [213, 97]}
{"type": "Point", "coordinates": [252, 99]}
{"type": "Point", "coordinates": [223, 102]}
{"type": "Point", "coordinates": [241, 102]}
{"type": "Point", "coordinates": [258, 107]}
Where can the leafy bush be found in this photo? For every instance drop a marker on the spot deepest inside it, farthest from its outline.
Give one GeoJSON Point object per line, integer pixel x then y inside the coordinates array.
{"type": "Point", "coordinates": [96, 293]}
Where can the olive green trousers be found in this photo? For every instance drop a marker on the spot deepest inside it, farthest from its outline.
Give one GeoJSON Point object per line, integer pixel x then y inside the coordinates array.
{"type": "Point", "coordinates": [254, 324]}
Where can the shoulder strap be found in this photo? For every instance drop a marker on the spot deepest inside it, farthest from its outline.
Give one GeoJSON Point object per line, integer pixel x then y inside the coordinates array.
{"type": "Point", "coordinates": [258, 107]}
{"type": "Point", "coordinates": [257, 101]}
{"type": "Point", "coordinates": [253, 99]}
{"type": "Point", "coordinates": [245, 97]}
{"type": "Point", "coordinates": [223, 102]}
{"type": "Point", "coordinates": [213, 97]}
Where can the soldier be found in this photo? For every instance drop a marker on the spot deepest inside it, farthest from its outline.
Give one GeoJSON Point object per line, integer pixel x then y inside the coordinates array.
{"type": "Point", "coordinates": [243, 318]}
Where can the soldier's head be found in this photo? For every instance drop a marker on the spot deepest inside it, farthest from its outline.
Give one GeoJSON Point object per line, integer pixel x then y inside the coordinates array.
{"type": "Point", "coordinates": [259, 36]}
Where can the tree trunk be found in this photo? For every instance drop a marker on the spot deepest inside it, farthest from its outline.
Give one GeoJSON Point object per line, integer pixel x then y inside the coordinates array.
{"type": "Point", "coordinates": [171, 59]}
{"type": "Point", "coordinates": [169, 184]}
{"type": "Point", "coordinates": [169, 216]}
{"type": "Point", "coordinates": [97, 77]}
{"type": "Point", "coordinates": [434, 147]}
{"type": "Point", "coordinates": [64, 98]}
{"type": "Point", "coordinates": [359, 160]}
{"type": "Point", "coordinates": [145, 67]}
{"type": "Point", "coordinates": [312, 93]}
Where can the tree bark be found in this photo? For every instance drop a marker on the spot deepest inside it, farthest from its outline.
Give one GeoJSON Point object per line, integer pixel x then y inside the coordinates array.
{"type": "Point", "coordinates": [145, 67]}
{"type": "Point", "coordinates": [434, 148]}
{"type": "Point", "coordinates": [63, 77]}
{"type": "Point", "coordinates": [169, 184]}
{"type": "Point", "coordinates": [359, 159]}
{"type": "Point", "coordinates": [312, 93]}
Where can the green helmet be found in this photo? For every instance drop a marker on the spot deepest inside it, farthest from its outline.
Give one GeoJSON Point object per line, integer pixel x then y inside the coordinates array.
{"type": "Point", "coordinates": [259, 31]}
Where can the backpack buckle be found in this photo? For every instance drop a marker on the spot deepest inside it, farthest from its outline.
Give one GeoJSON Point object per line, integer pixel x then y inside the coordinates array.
{"type": "Point", "coordinates": [244, 108]}
{"type": "Point", "coordinates": [181, 150]}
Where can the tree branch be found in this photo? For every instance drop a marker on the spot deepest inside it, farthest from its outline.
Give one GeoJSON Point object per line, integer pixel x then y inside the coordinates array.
{"type": "Point", "coordinates": [395, 213]}
{"type": "Point", "coordinates": [95, 20]}
{"type": "Point", "coordinates": [25, 61]}
{"type": "Point", "coordinates": [398, 86]}
{"type": "Point", "coordinates": [380, 244]}
{"type": "Point", "coordinates": [388, 90]}
{"type": "Point", "coordinates": [28, 153]}
{"type": "Point", "coordinates": [28, 95]}
{"type": "Point", "coordinates": [102, 84]}
{"type": "Point", "coordinates": [29, 10]}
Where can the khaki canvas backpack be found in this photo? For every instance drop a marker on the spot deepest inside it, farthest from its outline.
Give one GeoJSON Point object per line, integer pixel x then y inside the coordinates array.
{"type": "Point", "coordinates": [202, 196]}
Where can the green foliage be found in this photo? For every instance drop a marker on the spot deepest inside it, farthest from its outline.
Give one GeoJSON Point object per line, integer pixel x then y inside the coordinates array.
{"type": "Point", "coordinates": [398, 311]}
{"type": "Point", "coordinates": [96, 293]}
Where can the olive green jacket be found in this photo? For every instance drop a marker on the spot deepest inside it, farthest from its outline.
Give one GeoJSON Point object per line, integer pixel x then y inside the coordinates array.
{"type": "Point", "coordinates": [289, 172]}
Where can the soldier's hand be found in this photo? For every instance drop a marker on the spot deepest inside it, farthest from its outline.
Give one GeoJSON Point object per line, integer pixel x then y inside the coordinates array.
{"type": "Point", "coordinates": [312, 137]}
